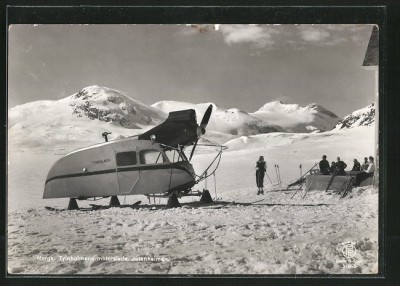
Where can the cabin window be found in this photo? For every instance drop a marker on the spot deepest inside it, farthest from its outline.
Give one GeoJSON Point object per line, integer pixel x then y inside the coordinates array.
{"type": "Point", "coordinates": [151, 157]}
{"type": "Point", "coordinates": [126, 158]}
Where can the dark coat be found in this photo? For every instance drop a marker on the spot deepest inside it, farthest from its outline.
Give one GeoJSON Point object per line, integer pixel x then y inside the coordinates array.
{"type": "Point", "coordinates": [324, 167]}
{"type": "Point", "coordinates": [332, 169]}
{"type": "Point", "coordinates": [340, 166]}
{"type": "Point", "coordinates": [261, 169]}
{"type": "Point", "coordinates": [356, 166]}
{"type": "Point", "coordinates": [261, 166]}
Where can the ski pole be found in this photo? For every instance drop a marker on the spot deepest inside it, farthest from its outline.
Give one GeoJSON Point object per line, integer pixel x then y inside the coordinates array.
{"type": "Point", "coordinates": [279, 174]}
{"type": "Point", "coordinates": [269, 178]}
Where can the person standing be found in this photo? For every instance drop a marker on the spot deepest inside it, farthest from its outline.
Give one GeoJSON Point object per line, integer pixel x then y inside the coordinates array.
{"type": "Point", "coordinates": [365, 174]}
{"type": "Point", "coordinates": [261, 168]}
{"type": "Point", "coordinates": [324, 166]}
{"type": "Point", "coordinates": [356, 166]}
{"type": "Point", "coordinates": [340, 166]}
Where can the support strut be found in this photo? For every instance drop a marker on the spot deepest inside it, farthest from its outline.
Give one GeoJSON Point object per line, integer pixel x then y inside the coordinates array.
{"type": "Point", "coordinates": [114, 202]}
{"type": "Point", "coordinates": [73, 205]}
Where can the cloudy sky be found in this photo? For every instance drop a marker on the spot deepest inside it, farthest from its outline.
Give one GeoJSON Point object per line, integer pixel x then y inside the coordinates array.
{"type": "Point", "coordinates": [242, 66]}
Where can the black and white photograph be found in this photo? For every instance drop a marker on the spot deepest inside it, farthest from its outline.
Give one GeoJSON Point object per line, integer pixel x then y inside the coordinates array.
{"type": "Point", "coordinates": [193, 149]}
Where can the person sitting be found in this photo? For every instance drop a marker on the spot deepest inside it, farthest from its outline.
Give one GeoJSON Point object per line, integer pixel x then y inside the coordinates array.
{"type": "Point", "coordinates": [340, 166]}
{"type": "Point", "coordinates": [356, 166]}
{"type": "Point", "coordinates": [324, 166]}
{"type": "Point", "coordinates": [364, 166]}
{"type": "Point", "coordinates": [365, 174]}
{"type": "Point", "coordinates": [332, 169]}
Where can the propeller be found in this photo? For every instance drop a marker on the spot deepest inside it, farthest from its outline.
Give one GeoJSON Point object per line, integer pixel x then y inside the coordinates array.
{"type": "Point", "coordinates": [201, 129]}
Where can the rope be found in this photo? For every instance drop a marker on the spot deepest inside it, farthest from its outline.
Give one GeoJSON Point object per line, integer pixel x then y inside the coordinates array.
{"type": "Point", "coordinates": [204, 174]}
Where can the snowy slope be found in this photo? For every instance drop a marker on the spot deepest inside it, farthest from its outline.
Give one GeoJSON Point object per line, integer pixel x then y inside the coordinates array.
{"type": "Point", "coordinates": [82, 116]}
{"type": "Point", "coordinates": [230, 121]}
{"type": "Point", "coordinates": [362, 117]}
{"type": "Point", "coordinates": [294, 118]}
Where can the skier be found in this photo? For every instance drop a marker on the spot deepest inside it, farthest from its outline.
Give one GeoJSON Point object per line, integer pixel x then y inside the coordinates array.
{"type": "Point", "coordinates": [365, 164]}
{"type": "Point", "coordinates": [356, 166]}
{"type": "Point", "coordinates": [261, 168]}
{"type": "Point", "coordinates": [365, 174]}
{"type": "Point", "coordinates": [324, 166]}
{"type": "Point", "coordinates": [340, 166]}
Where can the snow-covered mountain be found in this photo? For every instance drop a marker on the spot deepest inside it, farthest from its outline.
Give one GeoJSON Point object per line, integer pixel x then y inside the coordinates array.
{"type": "Point", "coordinates": [94, 103]}
{"type": "Point", "coordinates": [81, 116]}
{"type": "Point", "coordinates": [362, 117]}
{"type": "Point", "coordinates": [231, 121]}
{"type": "Point", "coordinates": [294, 118]}
{"type": "Point", "coordinates": [273, 116]}
{"type": "Point", "coordinates": [114, 106]}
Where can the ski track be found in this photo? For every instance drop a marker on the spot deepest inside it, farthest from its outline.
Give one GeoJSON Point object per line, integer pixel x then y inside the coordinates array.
{"type": "Point", "coordinates": [218, 239]}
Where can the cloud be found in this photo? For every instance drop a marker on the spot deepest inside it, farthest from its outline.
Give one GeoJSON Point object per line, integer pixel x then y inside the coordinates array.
{"type": "Point", "coordinates": [282, 98]}
{"type": "Point", "coordinates": [314, 35]}
{"type": "Point", "coordinates": [259, 36]}
{"type": "Point", "coordinates": [270, 37]}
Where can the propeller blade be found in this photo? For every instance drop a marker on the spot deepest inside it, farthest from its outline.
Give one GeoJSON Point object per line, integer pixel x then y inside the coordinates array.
{"type": "Point", "coordinates": [206, 117]}
{"type": "Point", "coordinates": [194, 147]}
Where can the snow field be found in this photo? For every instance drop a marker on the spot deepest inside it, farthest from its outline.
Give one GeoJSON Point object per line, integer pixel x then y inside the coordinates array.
{"type": "Point", "coordinates": [291, 237]}
{"type": "Point", "coordinates": [276, 235]}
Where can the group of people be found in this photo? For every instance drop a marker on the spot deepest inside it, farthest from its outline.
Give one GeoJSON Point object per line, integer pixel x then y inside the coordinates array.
{"type": "Point", "coordinates": [365, 170]}
{"type": "Point", "coordinates": [337, 168]}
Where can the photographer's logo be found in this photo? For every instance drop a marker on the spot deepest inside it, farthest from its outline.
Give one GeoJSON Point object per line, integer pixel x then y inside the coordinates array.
{"type": "Point", "coordinates": [348, 250]}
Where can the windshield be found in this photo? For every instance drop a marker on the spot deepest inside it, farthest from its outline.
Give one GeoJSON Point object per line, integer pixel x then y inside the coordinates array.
{"type": "Point", "coordinates": [174, 155]}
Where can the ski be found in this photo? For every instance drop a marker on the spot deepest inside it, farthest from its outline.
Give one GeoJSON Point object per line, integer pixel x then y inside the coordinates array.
{"type": "Point", "coordinates": [305, 193]}
{"type": "Point", "coordinates": [301, 186]}
{"type": "Point", "coordinates": [344, 186]}
{"type": "Point", "coordinates": [330, 182]}
{"type": "Point", "coordinates": [349, 186]}
{"type": "Point", "coordinates": [300, 180]}
{"type": "Point", "coordinates": [62, 210]}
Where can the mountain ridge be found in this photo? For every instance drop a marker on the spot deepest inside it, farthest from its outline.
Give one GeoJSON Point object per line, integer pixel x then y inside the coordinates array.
{"type": "Point", "coordinates": [360, 117]}
{"type": "Point", "coordinates": [94, 109]}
